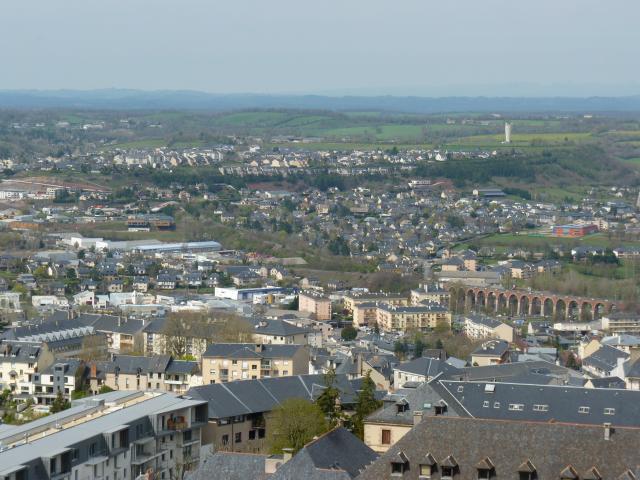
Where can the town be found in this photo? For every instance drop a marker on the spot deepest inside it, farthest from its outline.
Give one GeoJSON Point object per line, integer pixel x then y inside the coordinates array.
{"type": "Point", "coordinates": [204, 311]}
{"type": "Point", "coordinates": [357, 240]}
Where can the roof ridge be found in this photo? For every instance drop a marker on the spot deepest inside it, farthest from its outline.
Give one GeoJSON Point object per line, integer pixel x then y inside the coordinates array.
{"type": "Point", "coordinates": [235, 396]}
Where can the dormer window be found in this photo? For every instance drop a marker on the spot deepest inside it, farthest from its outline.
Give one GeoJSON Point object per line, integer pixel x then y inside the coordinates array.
{"type": "Point", "coordinates": [448, 468]}
{"type": "Point", "coordinates": [569, 473]}
{"type": "Point", "coordinates": [527, 471]}
{"type": "Point", "coordinates": [486, 469]}
{"type": "Point", "coordinates": [427, 466]}
{"type": "Point", "coordinates": [592, 474]}
{"type": "Point", "coordinates": [399, 464]}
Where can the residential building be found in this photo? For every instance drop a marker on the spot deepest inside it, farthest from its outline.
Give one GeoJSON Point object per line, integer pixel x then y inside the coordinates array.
{"type": "Point", "coordinates": [365, 313]}
{"type": "Point", "coordinates": [239, 418]}
{"type": "Point", "coordinates": [478, 326]}
{"type": "Point", "coordinates": [443, 447]}
{"type": "Point", "coordinates": [160, 372]}
{"type": "Point", "coordinates": [491, 352]}
{"type": "Point", "coordinates": [281, 332]}
{"type": "Point", "coordinates": [621, 322]}
{"type": "Point", "coordinates": [316, 304]}
{"type": "Point", "coordinates": [354, 298]}
{"type": "Point", "coordinates": [118, 435]}
{"type": "Point", "coordinates": [399, 318]}
{"type": "Point", "coordinates": [225, 362]}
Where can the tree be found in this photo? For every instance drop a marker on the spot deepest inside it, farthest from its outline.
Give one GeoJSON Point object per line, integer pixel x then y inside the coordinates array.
{"type": "Point", "coordinates": [105, 389]}
{"type": "Point", "coordinates": [418, 347]}
{"type": "Point", "coordinates": [294, 304]}
{"type": "Point", "coordinates": [366, 404]}
{"type": "Point", "coordinates": [400, 349]}
{"type": "Point", "coordinates": [94, 347]}
{"type": "Point", "coordinates": [328, 401]}
{"type": "Point", "coordinates": [349, 333]}
{"type": "Point", "coordinates": [294, 423]}
{"type": "Point", "coordinates": [59, 403]}
{"type": "Point", "coordinates": [439, 344]}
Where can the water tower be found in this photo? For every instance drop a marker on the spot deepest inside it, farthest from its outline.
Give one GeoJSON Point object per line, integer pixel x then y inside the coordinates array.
{"type": "Point", "coordinates": [507, 132]}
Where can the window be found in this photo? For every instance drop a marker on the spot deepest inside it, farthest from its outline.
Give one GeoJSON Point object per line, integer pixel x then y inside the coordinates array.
{"type": "Point", "coordinates": [397, 468]}
{"type": "Point", "coordinates": [238, 437]}
{"type": "Point", "coordinates": [496, 404]}
{"type": "Point", "coordinates": [541, 408]}
{"type": "Point", "coordinates": [425, 471]}
{"type": "Point", "coordinates": [254, 367]}
{"type": "Point", "coordinates": [609, 411]}
{"type": "Point", "coordinates": [447, 472]}
{"type": "Point", "coordinates": [484, 474]}
{"type": "Point", "coordinates": [386, 437]}
{"type": "Point", "coordinates": [460, 389]}
{"type": "Point", "coordinates": [485, 404]}
{"type": "Point", "coordinates": [517, 407]}
{"type": "Point", "coordinates": [583, 410]}
{"type": "Point", "coordinates": [234, 362]}
{"type": "Point", "coordinates": [252, 434]}
{"type": "Point", "coordinates": [225, 439]}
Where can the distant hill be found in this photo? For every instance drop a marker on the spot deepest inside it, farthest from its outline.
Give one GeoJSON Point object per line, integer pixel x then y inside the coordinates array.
{"type": "Point", "coordinates": [119, 99]}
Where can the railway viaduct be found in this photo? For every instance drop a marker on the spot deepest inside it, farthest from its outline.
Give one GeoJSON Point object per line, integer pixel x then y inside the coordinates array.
{"type": "Point", "coordinates": [532, 303]}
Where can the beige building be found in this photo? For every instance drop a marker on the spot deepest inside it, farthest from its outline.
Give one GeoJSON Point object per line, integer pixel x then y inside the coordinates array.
{"type": "Point", "coordinates": [227, 362]}
{"type": "Point", "coordinates": [315, 303]}
{"type": "Point", "coordinates": [159, 372]}
{"type": "Point", "coordinates": [480, 326]}
{"type": "Point", "coordinates": [430, 296]}
{"type": "Point", "coordinates": [365, 314]}
{"type": "Point", "coordinates": [353, 299]}
{"type": "Point", "coordinates": [392, 318]}
{"type": "Point", "coordinates": [492, 352]}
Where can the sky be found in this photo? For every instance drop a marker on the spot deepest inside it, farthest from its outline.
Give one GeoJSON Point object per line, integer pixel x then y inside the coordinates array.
{"type": "Point", "coordinates": [335, 47]}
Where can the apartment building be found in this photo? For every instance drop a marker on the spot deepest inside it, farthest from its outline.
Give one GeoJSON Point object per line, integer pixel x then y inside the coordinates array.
{"type": "Point", "coordinates": [225, 362]}
{"type": "Point", "coordinates": [315, 303]}
{"type": "Point", "coordinates": [352, 299]}
{"type": "Point", "coordinates": [118, 435]}
{"type": "Point", "coordinates": [364, 314]}
{"type": "Point", "coordinates": [428, 294]}
{"type": "Point", "coordinates": [621, 322]}
{"type": "Point", "coordinates": [478, 326]}
{"type": "Point", "coordinates": [394, 318]}
{"type": "Point", "coordinates": [160, 372]}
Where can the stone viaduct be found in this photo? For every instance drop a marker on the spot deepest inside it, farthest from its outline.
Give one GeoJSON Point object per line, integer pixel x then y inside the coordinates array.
{"type": "Point", "coordinates": [532, 303]}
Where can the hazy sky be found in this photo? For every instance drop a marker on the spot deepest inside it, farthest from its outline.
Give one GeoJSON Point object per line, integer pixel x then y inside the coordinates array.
{"type": "Point", "coordinates": [442, 47]}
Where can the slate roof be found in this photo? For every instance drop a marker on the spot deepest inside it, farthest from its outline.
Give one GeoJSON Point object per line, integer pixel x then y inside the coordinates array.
{"type": "Point", "coordinates": [605, 358]}
{"type": "Point", "coordinates": [248, 350]}
{"type": "Point", "coordinates": [483, 320]}
{"type": "Point", "coordinates": [537, 371]}
{"type": "Point", "coordinates": [255, 396]}
{"type": "Point", "coordinates": [422, 397]}
{"type": "Point", "coordinates": [491, 348]}
{"type": "Point", "coordinates": [230, 466]}
{"type": "Point", "coordinates": [279, 328]}
{"type": "Point", "coordinates": [428, 367]}
{"type": "Point", "coordinates": [512, 447]}
{"type": "Point", "coordinates": [542, 403]}
{"type": "Point", "coordinates": [337, 455]}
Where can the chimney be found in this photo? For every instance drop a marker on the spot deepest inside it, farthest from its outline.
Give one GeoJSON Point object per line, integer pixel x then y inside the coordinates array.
{"type": "Point", "coordinates": [607, 431]}
{"type": "Point", "coordinates": [94, 370]}
{"type": "Point", "coordinates": [417, 417]}
{"type": "Point", "coordinates": [259, 347]}
{"type": "Point", "coordinates": [287, 453]}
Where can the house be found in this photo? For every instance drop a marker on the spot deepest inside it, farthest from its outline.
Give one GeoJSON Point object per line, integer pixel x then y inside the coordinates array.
{"type": "Point", "coordinates": [478, 326]}
{"type": "Point", "coordinates": [140, 283]}
{"type": "Point", "coordinates": [336, 455]}
{"type": "Point", "coordinates": [401, 410]}
{"type": "Point", "coordinates": [421, 369]}
{"type": "Point", "coordinates": [491, 352]}
{"type": "Point", "coordinates": [166, 281]}
{"type": "Point", "coordinates": [225, 362]}
{"type": "Point", "coordinates": [269, 331]}
{"type": "Point", "coordinates": [364, 314]}
{"type": "Point", "coordinates": [606, 361]}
